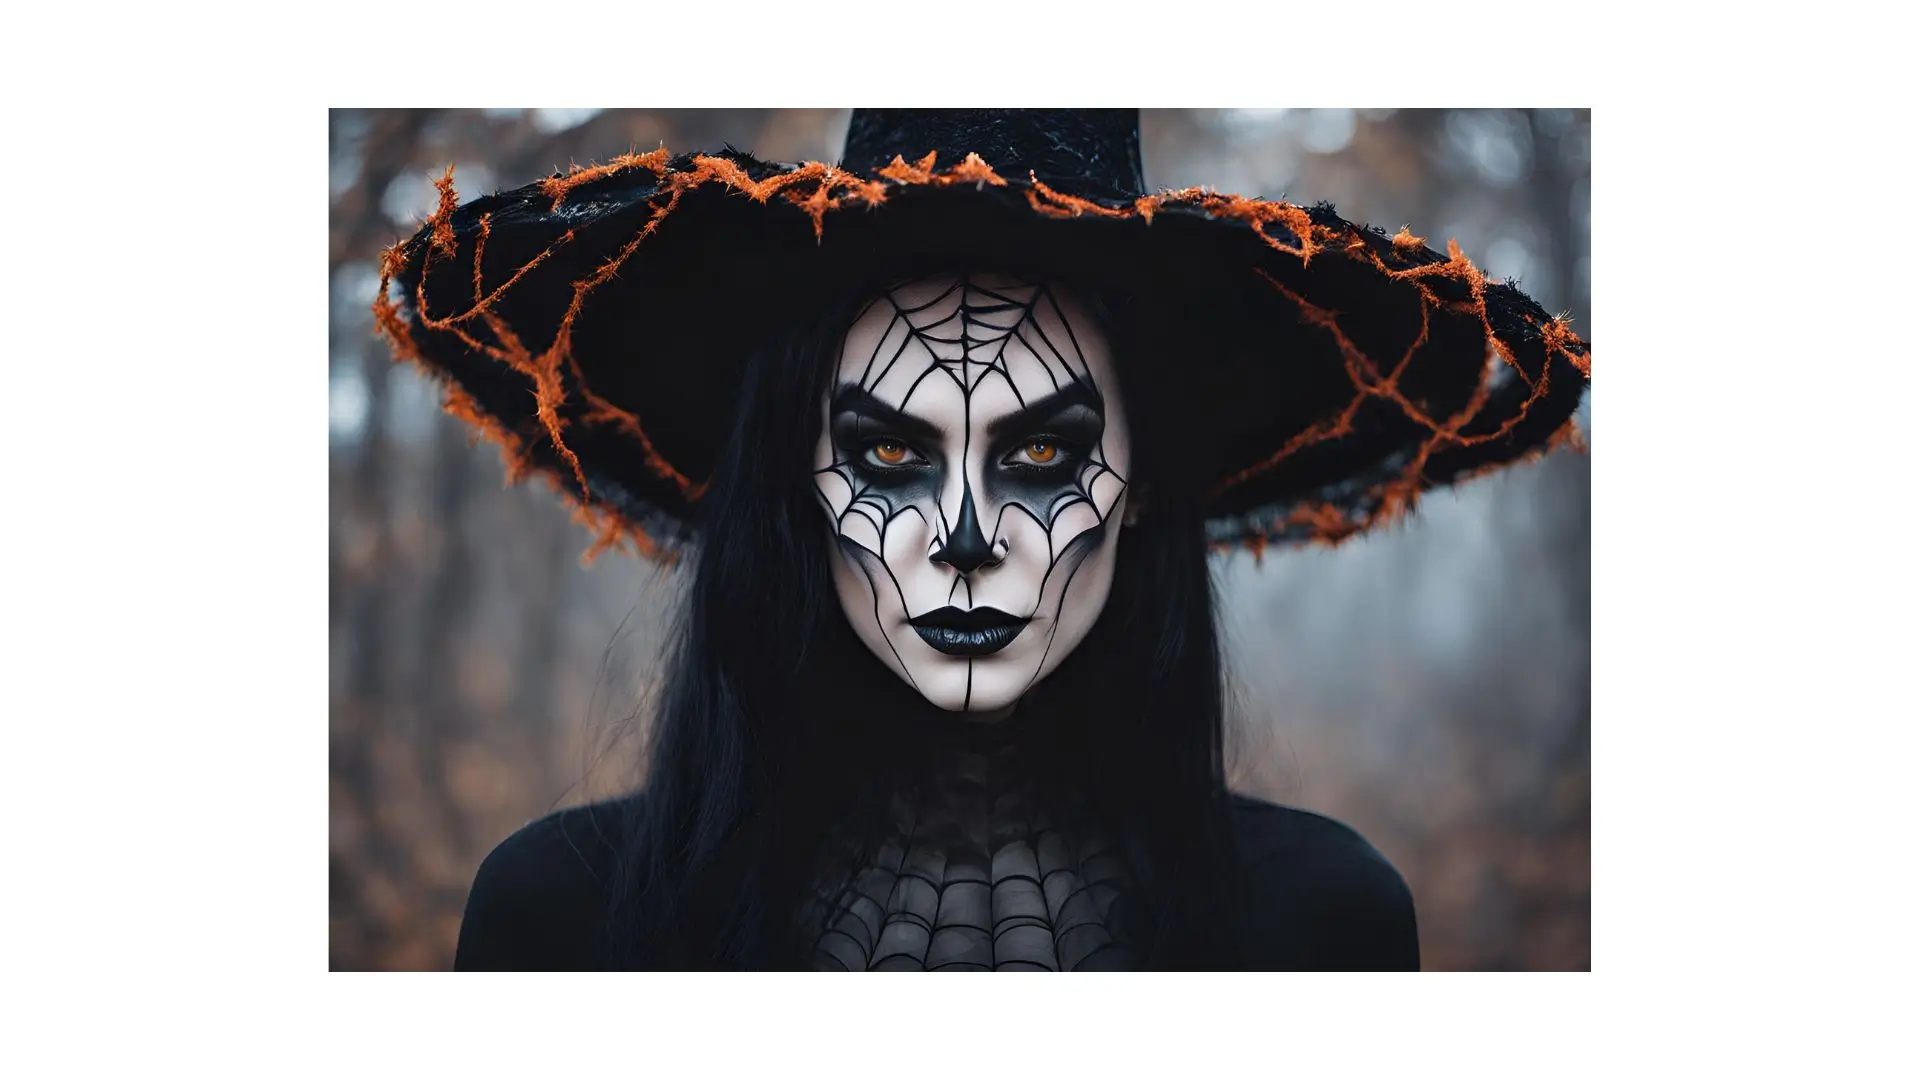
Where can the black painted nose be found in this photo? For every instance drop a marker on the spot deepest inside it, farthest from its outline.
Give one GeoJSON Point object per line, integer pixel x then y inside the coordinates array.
{"type": "Point", "coordinates": [966, 549]}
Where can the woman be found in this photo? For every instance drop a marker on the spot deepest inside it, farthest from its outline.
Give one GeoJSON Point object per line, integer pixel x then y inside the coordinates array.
{"type": "Point", "coordinates": [951, 445]}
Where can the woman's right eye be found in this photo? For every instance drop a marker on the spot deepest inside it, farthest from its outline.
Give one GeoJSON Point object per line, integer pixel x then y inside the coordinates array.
{"type": "Point", "coordinates": [891, 454]}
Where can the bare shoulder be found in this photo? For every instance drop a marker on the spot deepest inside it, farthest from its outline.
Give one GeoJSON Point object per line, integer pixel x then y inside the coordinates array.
{"type": "Point", "coordinates": [1316, 895]}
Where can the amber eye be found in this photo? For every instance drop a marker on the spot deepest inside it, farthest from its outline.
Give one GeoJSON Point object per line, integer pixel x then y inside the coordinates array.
{"type": "Point", "coordinates": [1037, 452]}
{"type": "Point", "coordinates": [889, 453]}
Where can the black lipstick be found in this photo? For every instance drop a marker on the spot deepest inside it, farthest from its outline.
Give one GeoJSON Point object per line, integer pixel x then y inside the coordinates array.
{"type": "Point", "coordinates": [978, 632]}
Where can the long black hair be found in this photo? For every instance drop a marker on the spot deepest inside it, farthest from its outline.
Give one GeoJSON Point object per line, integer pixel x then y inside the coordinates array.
{"type": "Point", "coordinates": [773, 715]}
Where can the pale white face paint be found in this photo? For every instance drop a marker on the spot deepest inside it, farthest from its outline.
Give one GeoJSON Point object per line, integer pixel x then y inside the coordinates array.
{"type": "Point", "coordinates": [972, 463]}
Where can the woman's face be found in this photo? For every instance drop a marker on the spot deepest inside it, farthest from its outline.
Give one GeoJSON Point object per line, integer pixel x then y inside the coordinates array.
{"type": "Point", "coordinates": [972, 465]}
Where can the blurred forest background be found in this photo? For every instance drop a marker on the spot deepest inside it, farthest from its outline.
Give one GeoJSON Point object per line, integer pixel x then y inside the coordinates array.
{"type": "Point", "coordinates": [1428, 685]}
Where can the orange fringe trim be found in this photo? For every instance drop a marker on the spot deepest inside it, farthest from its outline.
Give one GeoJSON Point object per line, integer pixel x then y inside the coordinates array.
{"type": "Point", "coordinates": [818, 189]}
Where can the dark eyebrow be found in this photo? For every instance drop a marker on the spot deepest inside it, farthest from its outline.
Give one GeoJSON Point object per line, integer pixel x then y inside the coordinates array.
{"type": "Point", "coordinates": [855, 403]}
{"type": "Point", "coordinates": [1045, 411]}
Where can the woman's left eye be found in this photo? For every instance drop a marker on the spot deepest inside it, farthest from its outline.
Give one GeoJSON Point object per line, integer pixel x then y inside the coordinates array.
{"type": "Point", "coordinates": [1035, 452]}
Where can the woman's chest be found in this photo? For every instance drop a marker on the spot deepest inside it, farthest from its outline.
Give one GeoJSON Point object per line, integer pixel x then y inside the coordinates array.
{"type": "Point", "coordinates": [972, 877]}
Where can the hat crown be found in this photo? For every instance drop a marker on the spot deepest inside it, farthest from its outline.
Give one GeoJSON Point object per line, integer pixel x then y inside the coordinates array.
{"type": "Point", "coordinates": [1093, 153]}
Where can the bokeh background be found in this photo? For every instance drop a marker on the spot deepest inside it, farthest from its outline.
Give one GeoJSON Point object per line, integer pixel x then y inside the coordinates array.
{"type": "Point", "coordinates": [1429, 685]}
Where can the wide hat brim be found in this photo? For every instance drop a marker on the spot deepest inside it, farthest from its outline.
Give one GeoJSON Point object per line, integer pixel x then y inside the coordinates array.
{"type": "Point", "coordinates": [595, 325]}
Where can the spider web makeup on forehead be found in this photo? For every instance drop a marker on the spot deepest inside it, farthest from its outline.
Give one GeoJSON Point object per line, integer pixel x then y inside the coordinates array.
{"type": "Point", "coordinates": [963, 333]}
{"type": "Point", "coordinates": [983, 317]}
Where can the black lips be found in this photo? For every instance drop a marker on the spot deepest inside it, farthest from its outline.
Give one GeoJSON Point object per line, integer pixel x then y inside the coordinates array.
{"type": "Point", "coordinates": [978, 632]}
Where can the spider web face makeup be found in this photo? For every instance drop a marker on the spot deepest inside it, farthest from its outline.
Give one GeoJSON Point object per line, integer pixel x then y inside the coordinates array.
{"type": "Point", "coordinates": [973, 457]}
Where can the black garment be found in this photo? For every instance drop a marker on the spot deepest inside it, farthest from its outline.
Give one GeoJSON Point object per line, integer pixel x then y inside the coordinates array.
{"type": "Point", "coordinates": [1316, 896]}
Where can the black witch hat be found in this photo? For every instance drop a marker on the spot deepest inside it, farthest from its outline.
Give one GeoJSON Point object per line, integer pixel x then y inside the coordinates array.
{"type": "Point", "coordinates": [595, 323]}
